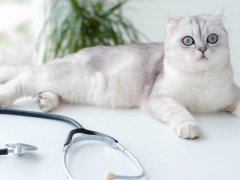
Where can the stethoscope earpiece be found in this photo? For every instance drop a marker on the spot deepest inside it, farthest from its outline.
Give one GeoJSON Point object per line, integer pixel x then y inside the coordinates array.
{"type": "Point", "coordinates": [109, 176]}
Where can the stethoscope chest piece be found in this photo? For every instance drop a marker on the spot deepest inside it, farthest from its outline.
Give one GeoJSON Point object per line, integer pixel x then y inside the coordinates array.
{"type": "Point", "coordinates": [20, 148]}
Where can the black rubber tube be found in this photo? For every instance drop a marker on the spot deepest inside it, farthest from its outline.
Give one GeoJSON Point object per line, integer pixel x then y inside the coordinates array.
{"type": "Point", "coordinates": [41, 115]}
{"type": "Point", "coordinates": [4, 151]}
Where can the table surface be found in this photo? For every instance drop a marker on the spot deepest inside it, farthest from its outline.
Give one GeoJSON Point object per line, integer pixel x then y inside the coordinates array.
{"type": "Point", "coordinates": [215, 155]}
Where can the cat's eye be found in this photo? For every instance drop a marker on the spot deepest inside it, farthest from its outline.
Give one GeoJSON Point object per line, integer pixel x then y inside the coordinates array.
{"type": "Point", "coordinates": [188, 41]}
{"type": "Point", "coordinates": [212, 39]}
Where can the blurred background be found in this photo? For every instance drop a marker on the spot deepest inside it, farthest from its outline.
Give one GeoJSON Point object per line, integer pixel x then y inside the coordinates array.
{"type": "Point", "coordinates": [15, 34]}
{"type": "Point", "coordinates": [33, 31]}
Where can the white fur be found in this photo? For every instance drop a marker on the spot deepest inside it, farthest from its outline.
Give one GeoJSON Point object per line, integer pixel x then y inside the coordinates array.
{"type": "Point", "coordinates": [9, 72]}
{"type": "Point", "coordinates": [137, 76]}
{"type": "Point", "coordinates": [190, 83]}
{"type": "Point", "coordinates": [120, 76]}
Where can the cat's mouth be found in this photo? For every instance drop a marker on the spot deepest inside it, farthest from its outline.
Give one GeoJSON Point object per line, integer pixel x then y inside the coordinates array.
{"type": "Point", "coordinates": [203, 58]}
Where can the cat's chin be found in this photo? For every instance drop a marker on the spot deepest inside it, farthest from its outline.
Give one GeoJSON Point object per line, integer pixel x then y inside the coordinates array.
{"type": "Point", "coordinates": [203, 59]}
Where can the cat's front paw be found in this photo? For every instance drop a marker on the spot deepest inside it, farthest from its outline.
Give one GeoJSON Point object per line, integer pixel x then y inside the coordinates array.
{"type": "Point", "coordinates": [187, 130]}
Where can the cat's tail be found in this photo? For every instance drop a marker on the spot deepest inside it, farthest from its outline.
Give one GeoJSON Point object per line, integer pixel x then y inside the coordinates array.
{"type": "Point", "coordinates": [22, 85]}
{"type": "Point", "coordinates": [10, 71]}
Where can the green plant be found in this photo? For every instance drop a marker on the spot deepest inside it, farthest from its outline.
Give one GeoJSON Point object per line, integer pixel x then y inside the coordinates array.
{"type": "Point", "coordinates": [76, 24]}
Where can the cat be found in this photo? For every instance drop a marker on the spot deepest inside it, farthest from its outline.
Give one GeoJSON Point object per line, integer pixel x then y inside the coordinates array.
{"type": "Point", "coordinates": [189, 73]}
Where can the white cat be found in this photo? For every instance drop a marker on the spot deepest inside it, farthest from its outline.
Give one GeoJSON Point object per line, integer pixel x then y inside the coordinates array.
{"type": "Point", "coordinates": [190, 72]}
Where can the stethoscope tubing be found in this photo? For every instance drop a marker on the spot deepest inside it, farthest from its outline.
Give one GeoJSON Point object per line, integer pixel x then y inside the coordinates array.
{"type": "Point", "coordinates": [86, 135]}
{"type": "Point", "coordinates": [41, 115]}
{"type": "Point", "coordinates": [114, 144]}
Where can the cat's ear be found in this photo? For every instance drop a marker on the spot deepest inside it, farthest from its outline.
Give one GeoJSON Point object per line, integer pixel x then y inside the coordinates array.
{"type": "Point", "coordinates": [219, 14]}
{"type": "Point", "coordinates": [172, 22]}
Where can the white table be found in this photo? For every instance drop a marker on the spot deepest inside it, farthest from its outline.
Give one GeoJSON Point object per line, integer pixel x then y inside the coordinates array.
{"type": "Point", "coordinates": [164, 156]}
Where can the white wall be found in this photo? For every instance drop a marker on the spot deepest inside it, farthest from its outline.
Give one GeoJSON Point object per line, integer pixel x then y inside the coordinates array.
{"type": "Point", "coordinates": [150, 17]}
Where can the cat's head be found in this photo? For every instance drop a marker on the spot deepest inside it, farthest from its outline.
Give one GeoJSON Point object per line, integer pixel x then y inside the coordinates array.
{"type": "Point", "coordinates": [196, 43]}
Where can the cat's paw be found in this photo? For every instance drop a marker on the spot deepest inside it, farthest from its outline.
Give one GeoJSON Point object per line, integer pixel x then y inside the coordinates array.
{"type": "Point", "coordinates": [187, 130]}
{"type": "Point", "coordinates": [47, 101]}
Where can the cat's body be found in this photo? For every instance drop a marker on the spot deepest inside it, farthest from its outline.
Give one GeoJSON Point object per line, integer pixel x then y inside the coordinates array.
{"type": "Point", "coordinates": [185, 74]}
{"type": "Point", "coordinates": [202, 92]}
{"type": "Point", "coordinates": [124, 78]}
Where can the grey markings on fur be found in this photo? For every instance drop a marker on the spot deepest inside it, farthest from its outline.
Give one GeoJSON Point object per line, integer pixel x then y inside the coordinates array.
{"type": "Point", "coordinates": [199, 27]}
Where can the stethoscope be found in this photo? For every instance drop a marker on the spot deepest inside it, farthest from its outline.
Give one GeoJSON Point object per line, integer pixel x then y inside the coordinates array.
{"type": "Point", "coordinates": [85, 135]}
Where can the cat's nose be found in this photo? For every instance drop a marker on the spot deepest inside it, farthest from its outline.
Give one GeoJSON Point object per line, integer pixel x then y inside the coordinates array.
{"type": "Point", "coordinates": [202, 49]}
